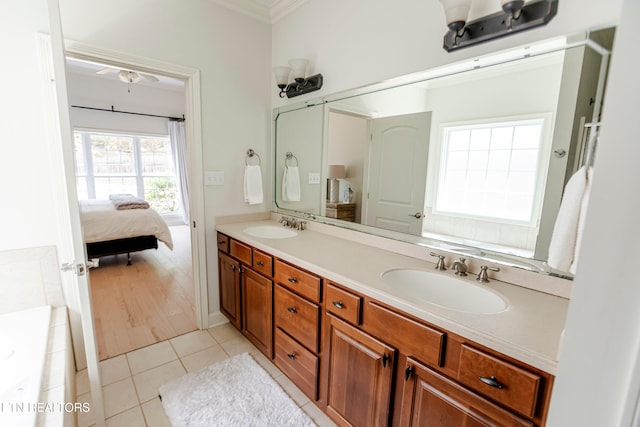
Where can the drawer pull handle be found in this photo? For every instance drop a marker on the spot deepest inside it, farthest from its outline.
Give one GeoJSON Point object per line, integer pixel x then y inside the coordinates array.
{"type": "Point", "coordinates": [338, 304]}
{"type": "Point", "coordinates": [221, 242]}
{"type": "Point", "coordinates": [385, 359]}
{"type": "Point", "coordinates": [292, 279]}
{"type": "Point", "coordinates": [491, 381]}
{"type": "Point", "coordinates": [292, 309]}
{"type": "Point", "coordinates": [260, 264]}
{"type": "Point", "coordinates": [233, 268]}
{"type": "Point", "coordinates": [408, 372]}
{"type": "Point", "coordinates": [291, 356]}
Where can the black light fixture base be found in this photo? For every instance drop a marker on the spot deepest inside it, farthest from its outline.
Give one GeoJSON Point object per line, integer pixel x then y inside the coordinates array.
{"type": "Point", "coordinates": [500, 24]}
{"type": "Point", "coordinates": [310, 84]}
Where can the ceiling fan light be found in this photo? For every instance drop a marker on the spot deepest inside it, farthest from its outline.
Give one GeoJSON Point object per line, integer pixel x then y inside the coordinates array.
{"type": "Point", "coordinates": [129, 76]}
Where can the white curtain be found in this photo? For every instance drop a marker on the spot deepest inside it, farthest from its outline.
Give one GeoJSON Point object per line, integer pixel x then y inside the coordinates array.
{"type": "Point", "coordinates": [179, 150]}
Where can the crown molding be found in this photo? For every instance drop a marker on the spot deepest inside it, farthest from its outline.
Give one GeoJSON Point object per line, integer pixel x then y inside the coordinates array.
{"type": "Point", "coordinates": [281, 8]}
{"type": "Point", "coordinates": [259, 10]}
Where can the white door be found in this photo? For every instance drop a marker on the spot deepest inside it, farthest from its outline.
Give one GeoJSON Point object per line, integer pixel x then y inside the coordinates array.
{"type": "Point", "coordinates": [397, 172]}
{"type": "Point", "coordinates": [72, 250]}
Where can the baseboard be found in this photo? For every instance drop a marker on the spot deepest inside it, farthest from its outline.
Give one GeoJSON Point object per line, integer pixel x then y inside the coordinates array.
{"type": "Point", "coordinates": [217, 319]}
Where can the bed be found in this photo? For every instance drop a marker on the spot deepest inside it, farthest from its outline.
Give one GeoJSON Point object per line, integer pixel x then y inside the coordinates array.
{"type": "Point", "coordinates": [109, 231]}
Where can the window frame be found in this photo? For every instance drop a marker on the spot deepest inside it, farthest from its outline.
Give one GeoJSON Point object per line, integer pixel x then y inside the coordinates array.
{"type": "Point", "coordinates": [90, 176]}
{"type": "Point", "coordinates": [544, 153]}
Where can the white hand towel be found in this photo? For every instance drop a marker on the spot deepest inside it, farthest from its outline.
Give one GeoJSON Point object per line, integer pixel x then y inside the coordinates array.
{"type": "Point", "coordinates": [581, 218]}
{"type": "Point", "coordinates": [253, 184]}
{"type": "Point", "coordinates": [291, 184]}
{"type": "Point", "coordinates": [565, 232]}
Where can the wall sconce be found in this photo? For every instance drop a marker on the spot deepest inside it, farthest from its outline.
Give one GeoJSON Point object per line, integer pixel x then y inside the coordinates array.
{"type": "Point", "coordinates": [301, 84]}
{"type": "Point", "coordinates": [515, 16]}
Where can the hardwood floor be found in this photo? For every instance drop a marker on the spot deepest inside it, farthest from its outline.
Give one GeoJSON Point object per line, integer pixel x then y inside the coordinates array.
{"type": "Point", "coordinates": [144, 303]}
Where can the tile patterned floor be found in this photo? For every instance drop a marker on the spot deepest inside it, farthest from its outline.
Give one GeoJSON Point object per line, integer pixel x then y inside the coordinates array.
{"type": "Point", "coordinates": [131, 381]}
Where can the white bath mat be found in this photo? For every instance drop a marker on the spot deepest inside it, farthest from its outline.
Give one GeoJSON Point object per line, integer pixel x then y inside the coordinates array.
{"type": "Point", "coordinates": [234, 392]}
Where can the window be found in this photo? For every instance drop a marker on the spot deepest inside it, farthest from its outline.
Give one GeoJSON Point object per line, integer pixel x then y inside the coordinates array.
{"type": "Point", "coordinates": [492, 171]}
{"type": "Point", "coordinates": [109, 163]}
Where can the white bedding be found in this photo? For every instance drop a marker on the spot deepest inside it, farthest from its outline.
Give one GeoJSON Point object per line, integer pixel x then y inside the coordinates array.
{"type": "Point", "coordinates": [101, 222]}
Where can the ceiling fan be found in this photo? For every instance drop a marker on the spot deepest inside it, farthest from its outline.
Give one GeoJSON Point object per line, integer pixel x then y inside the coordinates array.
{"type": "Point", "coordinates": [128, 76]}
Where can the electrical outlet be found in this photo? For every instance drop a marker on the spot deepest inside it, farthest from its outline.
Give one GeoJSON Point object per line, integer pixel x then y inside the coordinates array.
{"type": "Point", "coordinates": [214, 178]}
{"type": "Point", "coordinates": [314, 178]}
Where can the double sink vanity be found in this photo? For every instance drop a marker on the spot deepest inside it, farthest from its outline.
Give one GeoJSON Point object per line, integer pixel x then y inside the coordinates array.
{"type": "Point", "coordinates": [374, 337]}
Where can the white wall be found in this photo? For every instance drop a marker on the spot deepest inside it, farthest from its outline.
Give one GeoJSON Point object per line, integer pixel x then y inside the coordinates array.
{"type": "Point", "coordinates": [232, 52]}
{"type": "Point", "coordinates": [358, 42]}
{"type": "Point", "coordinates": [27, 192]}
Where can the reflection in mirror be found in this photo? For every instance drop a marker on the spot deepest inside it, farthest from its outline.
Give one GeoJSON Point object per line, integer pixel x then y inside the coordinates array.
{"type": "Point", "coordinates": [477, 159]}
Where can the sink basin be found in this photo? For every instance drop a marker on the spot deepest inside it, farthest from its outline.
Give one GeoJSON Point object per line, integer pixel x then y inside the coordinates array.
{"type": "Point", "coordinates": [270, 232]}
{"type": "Point", "coordinates": [444, 291]}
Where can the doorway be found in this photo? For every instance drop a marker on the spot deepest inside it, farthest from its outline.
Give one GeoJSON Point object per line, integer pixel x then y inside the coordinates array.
{"type": "Point", "coordinates": [163, 293]}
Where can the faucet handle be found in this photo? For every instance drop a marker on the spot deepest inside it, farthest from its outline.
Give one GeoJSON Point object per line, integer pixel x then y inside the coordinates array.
{"type": "Point", "coordinates": [483, 277]}
{"type": "Point", "coordinates": [440, 264]}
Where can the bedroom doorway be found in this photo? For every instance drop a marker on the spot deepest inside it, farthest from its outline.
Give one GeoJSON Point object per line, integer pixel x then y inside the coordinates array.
{"type": "Point", "coordinates": [162, 294]}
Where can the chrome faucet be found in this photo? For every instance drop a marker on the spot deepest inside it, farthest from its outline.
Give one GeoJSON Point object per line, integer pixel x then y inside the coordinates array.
{"type": "Point", "coordinates": [293, 223]}
{"type": "Point", "coordinates": [460, 267]}
{"type": "Point", "coordinates": [483, 277]}
{"type": "Point", "coordinates": [286, 222]}
{"type": "Point", "coordinates": [440, 264]}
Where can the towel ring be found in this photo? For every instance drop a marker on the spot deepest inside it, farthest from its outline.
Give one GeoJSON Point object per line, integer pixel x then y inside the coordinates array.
{"type": "Point", "coordinates": [290, 156]}
{"type": "Point", "coordinates": [251, 153]}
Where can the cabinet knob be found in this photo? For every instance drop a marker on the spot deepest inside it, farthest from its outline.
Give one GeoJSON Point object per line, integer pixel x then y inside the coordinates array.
{"type": "Point", "coordinates": [292, 310]}
{"type": "Point", "coordinates": [292, 279]}
{"type": "Point", "coordinates": [233, 268]}
{"type": "Point", "coordinates": [338, 304]}
{"type": "Point", "coordinates": [491, 381]}
{"type": "Point", "coordinates": [385, 359]}
{"type": "Point", "coordinates": [407, 372]}
{"type": "Point", "coordinates": [260, 264]}
{"type": "Point", "coordinates": [291, 356]}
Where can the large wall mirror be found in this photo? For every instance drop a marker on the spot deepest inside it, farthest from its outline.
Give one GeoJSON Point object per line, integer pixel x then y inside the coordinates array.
{"type": "Point", "coordinates": [472, 158]}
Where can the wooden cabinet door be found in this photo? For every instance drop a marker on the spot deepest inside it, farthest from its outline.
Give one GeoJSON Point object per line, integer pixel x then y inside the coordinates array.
{"type": "Point", "coordinates": [360, 375]}
{"type": "Point", "coordinates": [257, 297]}
{"type": "Point", "coordinates": [229, 283]}
{"type": "Point", "coordinates": [432, 400]}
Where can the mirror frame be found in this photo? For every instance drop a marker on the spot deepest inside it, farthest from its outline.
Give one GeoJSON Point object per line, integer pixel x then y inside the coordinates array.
{"type": "Point", "coordinates": [535, 49]}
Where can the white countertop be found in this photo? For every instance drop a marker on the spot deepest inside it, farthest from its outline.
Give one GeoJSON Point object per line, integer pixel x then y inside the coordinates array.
{"type": "Point", "coordinates": [528, 330]}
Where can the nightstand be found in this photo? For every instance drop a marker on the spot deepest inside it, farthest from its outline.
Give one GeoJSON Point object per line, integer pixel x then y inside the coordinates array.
{"type": "Point", "coordinates": [343, 211]}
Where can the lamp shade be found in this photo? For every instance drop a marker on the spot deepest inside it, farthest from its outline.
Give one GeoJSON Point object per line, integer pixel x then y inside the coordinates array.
{"type": "Point", "coordinates": [337, 172]}
{"type": "Point", "coordinates": [282, 75]}
{"type": "Point", "coordinates": [456, 11]}
{"type": "Point", "coordinates": [299, 67]}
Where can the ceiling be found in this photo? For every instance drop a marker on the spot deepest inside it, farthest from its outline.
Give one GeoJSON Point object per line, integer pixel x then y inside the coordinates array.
{"type": "Point", "coordinates": [89, 68]}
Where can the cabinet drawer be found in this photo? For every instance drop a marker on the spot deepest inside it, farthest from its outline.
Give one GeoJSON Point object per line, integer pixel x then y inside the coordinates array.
{"type": "Point", "coordinates": [343, 304]}
{"type": "Point", "coordinates": [301, 282]}
{"type": "Point", "coordinates": [410, 337]}
{"type": "Point", "coordinates": [262, 263]}
{"type": "Point", "coordinates": [298, 317]}
{"type": "Point", "coordinates": [298, 363]}
{"type": "Point", "coordinates": [495, 378]}
{"type": "Point", "coordinates": [428, 396]}
{"type": "Point", "coordinates": [223, 243]}
{"type": "Point", "coordinates": [240, 251]}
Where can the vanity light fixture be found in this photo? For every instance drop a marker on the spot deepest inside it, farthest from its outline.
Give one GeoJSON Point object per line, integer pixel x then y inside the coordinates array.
{"type": "Point", "coordinates": [301, 84]}
{"type": "Point", "coordinates": [516, 16]}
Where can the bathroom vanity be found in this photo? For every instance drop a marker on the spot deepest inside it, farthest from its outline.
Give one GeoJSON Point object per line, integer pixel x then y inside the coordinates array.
{"type": "Point", "coordinates": [370, 355]}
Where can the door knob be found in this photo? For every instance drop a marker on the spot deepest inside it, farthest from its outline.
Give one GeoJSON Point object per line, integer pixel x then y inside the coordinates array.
{"type": "Point", "coordinates": [416, 215]}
